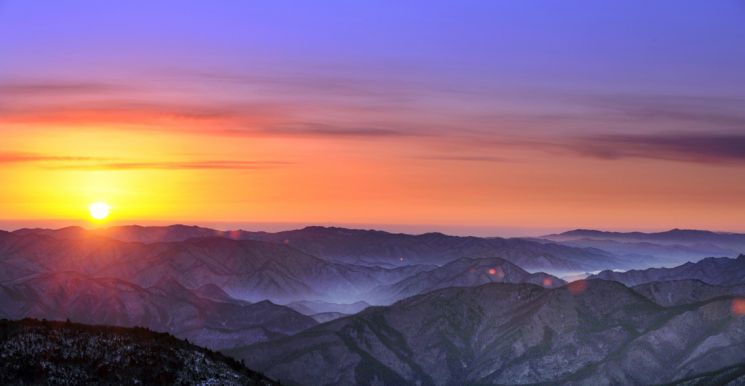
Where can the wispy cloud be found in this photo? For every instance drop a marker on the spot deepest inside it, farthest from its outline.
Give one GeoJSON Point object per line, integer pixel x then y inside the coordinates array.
{"type": "Point", "coordinates": [16, 89]}
{"type": "Point", "coordinates": [51, 161]}
{"type": "Point", "coordinates": [715, 148]}
{"type": "Point", "coordinates": [465, 158]}
{"type": "Point", "coordinates": [694, 129]}
{"type": "Point", "coordinates": [129, 112]}
{"type": "Point", "coordinates": [710, 111]}
{"type": "Point", "coordinates": [247, 120]}
{"type": "Point", "coordinates": [177, 165]}
{"type": "Point", "coordinates": [304, 83]}
{"type": "Point", "coordinates": [331, 130]}
{"type": "Point", "coordinates": [685, 128]}
{"type": "Point", "coordinates": [14, 158]}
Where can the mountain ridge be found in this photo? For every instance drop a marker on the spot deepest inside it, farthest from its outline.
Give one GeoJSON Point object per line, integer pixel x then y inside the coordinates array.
{"type": "Point", "coordinates": [47, 352]}
{"type": "Point", "coordinates": [463, 272]}
{"type": "Point", "coordinates": [711, 270]}
{"type": "Point", "coordinates": [373, 247]}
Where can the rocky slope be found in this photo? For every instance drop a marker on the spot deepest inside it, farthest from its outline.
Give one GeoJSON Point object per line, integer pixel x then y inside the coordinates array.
{"type": "Point", "coordinates": [729, 376]}
{"type": "Point", "coordinates": [588, 332]}
{"type": "Point", "coordinates": [465, 272]}
{"type": "Point", "coordinates": [713, 270]}
{"type": "Point", "coordinates": [58, 353]}
{"type": "Point", "coordinates": [679, 292]}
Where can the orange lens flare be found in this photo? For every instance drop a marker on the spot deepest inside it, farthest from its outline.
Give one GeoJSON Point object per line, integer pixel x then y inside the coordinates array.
{"type": "Point", "coordinates": [577, 287]}
{"type": "Point", "coordinates": [738, 307]}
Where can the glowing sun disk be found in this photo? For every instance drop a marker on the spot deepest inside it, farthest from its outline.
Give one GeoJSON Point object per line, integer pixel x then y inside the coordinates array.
{"type": "Point", "coordinates": [99, 210]}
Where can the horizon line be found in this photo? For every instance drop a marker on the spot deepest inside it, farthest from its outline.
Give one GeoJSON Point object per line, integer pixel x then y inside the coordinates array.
{"type": "Point", "coordinates": [279, 226]}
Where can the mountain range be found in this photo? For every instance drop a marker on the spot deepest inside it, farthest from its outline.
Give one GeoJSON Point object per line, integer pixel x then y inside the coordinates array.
{"type": "Point", "coordinates": [588, 332]}
{"type": "Point", "coordinates": [206, 316]}
{"type": "Point", "coordinates": [342, 306]}
{"type": "Point", "coordinates": [667, 248]}
{"type": "Point", "coordinates": [574, 251]}
{"type": "Point", "coordinates": [215, 291]}
{"type": "Point", "coordinates": [245, 269]}
{"type": "Point", "coordinates": [712, 270]}
{"type": "Point", "coordinates": [371, 247]}
{"type": "Point", "coordinates": [673, 236]}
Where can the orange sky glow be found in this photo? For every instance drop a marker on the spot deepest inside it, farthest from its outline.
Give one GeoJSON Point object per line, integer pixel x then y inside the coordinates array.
{"type": "Point", "coordinates": [194, 176]}
{"type": "Point", "coordinates": [430, 121]}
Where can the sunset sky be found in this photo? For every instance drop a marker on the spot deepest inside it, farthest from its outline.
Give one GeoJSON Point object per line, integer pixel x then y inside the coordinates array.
{"type": "Point", "coordinates": [501, 116]}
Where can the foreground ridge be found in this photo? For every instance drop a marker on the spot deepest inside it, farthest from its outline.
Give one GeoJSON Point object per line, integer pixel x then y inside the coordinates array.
{"type": "Point", "coordinates": [65, 353]}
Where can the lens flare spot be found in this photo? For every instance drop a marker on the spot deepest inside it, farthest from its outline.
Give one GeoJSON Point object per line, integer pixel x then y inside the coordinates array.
{"type": "Point", "coordinates": [548, 282]}
{"type": "Point", "coordinates": [738, 307]}
{"type": "Point", "coordinates": [496, 272]}
{"type": "Point", "coordinates": [577, 287]}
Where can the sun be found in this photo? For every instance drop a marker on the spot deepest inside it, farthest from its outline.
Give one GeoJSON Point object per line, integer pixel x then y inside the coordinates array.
{"type": "Point", "coordinates": [99, 210]}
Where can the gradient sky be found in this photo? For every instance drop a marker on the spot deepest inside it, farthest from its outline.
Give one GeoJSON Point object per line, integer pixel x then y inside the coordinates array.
{"type": "Point", "coordinates": [487, 114]}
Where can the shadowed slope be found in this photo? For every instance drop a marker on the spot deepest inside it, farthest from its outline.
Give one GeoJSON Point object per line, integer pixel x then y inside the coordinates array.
{"type": "Point", "coordinates": [167, 306]}
{"type": "Point", "coordinates": [679, 292]}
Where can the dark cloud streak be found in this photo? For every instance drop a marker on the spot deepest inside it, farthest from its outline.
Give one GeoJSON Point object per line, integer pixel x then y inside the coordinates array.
{"type": "Point", "coordinates": [329, 130]}
{"type": "Point", "coordinates": [58, 89]}
{"type": "Point", "coordinates": [247, 120]}
{"type": "Point", "coordinates": [465, 158]}
{"type": "Point", "coordinates": [724, 112]}
{"type": "Point", "coordinates": [14, 158]}
{"type": "Point", "coordinates": [714, 148]}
